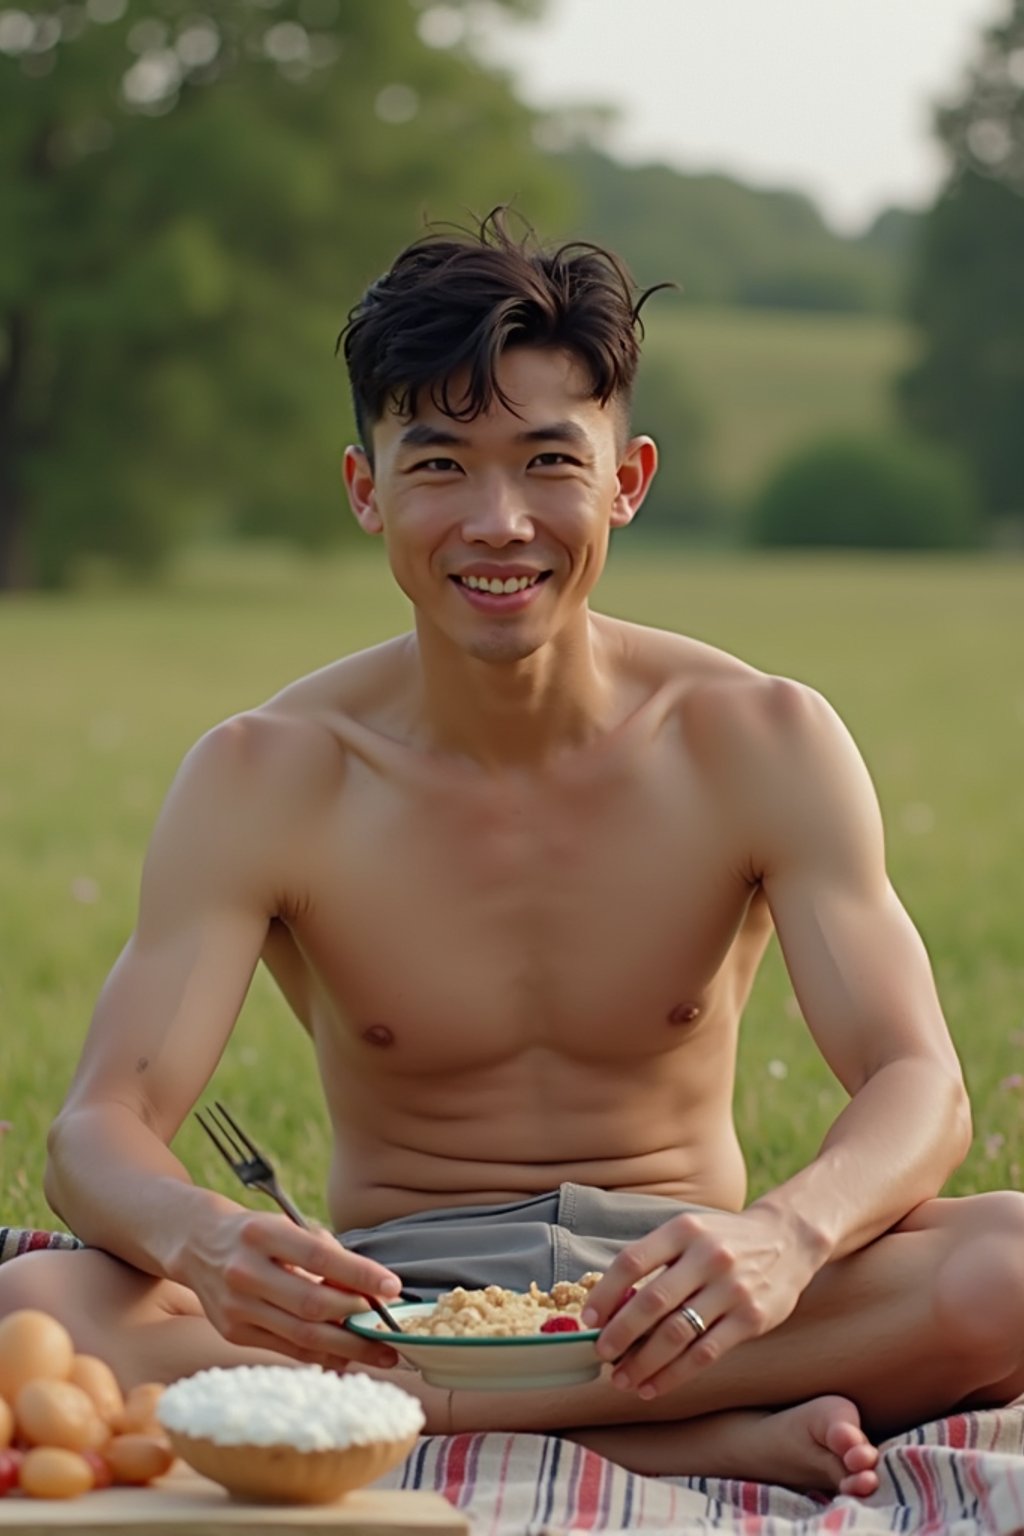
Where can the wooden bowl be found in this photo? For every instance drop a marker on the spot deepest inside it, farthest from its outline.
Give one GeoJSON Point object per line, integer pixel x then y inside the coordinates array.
{"type": "Point", "coordinates": [281, 1474]}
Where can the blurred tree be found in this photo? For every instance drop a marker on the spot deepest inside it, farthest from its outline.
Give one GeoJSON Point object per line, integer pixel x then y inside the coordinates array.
{"type": "Point", "coordinates": [723, 242]}
{"type": "Point", "coordinates": [667, 406]}
{"type": "Point", "coordinates": [189, 203]}
{"type": "Point", "coordinates": [851, 492]}
{"type": "Point", "coordinates": [968, 290]}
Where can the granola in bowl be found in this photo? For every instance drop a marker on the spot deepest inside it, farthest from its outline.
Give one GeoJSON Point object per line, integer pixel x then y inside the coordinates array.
{"type": "Point", "coordinates": [497, 1313]}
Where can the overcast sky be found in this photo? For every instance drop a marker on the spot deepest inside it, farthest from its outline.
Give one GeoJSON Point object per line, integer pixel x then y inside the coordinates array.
{"type": "Point", "coordinates": [832, 97]}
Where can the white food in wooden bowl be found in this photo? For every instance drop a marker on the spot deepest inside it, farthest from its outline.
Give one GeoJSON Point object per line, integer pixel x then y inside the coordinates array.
{"type": "Point", "coordinates": [289, 1434]}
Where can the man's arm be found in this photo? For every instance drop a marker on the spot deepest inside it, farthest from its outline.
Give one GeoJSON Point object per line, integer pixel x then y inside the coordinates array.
{"type": "Point", "coordinates": [865, 986]}
{"type": "Point", "coordinates": [163, 1020]}
{"type": "Point", "coordinates": [210, 887]}
{"type": "Point", "coordinates": [795, 785]}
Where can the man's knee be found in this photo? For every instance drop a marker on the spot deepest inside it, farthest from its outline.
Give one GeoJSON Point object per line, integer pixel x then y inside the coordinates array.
{"type": "Point", "coordinates": [11, 1288]}
{"type": "Point", "coordinates": [33, 1280]}
{"type": "Point", "coordinates": [979, 1286]}
{"type": "Point", "coordinates": [86, 1290]}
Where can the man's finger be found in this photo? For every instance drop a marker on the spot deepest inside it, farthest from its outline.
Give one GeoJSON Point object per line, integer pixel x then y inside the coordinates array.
{"type": "Point", "coordinates": [715, 1343]}
{"type": "Point", "coordinates": [261, 1338]}
{"type": "Point", "coordinates": [305, 1295]}
{"type": "Point", "coordinates": [672, 1339]}
{"type": "Point", "coordinates": [309, 1340]}
{"type": "Point", "coordinates": [640, 1315]}
{"type": "Point", "coordinates": [321, 1254]}
{"type": "Point", "coordinates": [665, 1245]}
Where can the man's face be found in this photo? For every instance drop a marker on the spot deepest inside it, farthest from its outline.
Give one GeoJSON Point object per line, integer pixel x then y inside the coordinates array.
{"type": "Point", "coordinates": [497, 528]}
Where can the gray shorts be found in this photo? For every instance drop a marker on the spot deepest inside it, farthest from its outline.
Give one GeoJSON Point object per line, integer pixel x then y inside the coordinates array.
{"type": "Point", "coordinates": [556, 1236]}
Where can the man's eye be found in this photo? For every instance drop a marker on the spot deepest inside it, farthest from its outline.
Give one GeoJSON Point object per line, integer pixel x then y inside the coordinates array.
{"type": "Point", "coordinates": [437, 466]}
{"type": "Point", "coordinates": [546, 460]}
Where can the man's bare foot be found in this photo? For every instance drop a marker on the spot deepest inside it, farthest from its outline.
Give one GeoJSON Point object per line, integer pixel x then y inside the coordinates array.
{"type": "Point", "coordinates": [819, 1445]}
{"type": "Point", "coordinates": [816, 1445]}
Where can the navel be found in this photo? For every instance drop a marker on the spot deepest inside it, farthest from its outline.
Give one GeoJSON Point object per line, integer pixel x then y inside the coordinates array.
{"type": "Point", "coordinates": [379, 1034]}
{"type": "Point", "coordinates": [684, 1013]}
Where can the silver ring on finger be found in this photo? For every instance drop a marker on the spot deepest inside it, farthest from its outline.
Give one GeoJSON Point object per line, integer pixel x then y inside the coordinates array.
{"type": "Point", "coordinates": [695, 1320]}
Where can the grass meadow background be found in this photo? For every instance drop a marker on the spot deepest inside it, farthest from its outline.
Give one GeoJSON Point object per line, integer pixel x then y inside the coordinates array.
{"type": "Point", "coordinates": [101, 694]}
{"type": "Point", "coordinates": [772, 381]}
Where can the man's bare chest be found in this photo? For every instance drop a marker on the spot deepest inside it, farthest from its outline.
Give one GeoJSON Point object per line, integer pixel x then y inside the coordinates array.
{"type": "Point", "coordinates": [488, 921]}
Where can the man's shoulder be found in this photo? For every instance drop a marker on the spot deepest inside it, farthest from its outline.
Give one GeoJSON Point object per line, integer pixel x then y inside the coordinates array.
{"type": "Point", "coordinates": [299, 735]}
{"type": "Point", "coordinates": [746, 729]}
{"type": "Point", "coordinates": [712, 687]}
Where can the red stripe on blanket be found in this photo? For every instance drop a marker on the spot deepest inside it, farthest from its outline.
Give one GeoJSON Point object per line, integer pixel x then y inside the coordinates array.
{"type": "Point", "coordinates": [455, 1468]}
{"type": "Point", "coordinates": [921, 1465]}
{"type": "Point", "coordinates": [588, 1491]}
{"type": "Point", "coordinates": [956, 1431]}
{"type": "Point", "coordinates": [974, 1476]}
{"type": "Point", "coordinates": [37, 1240]}
{"type": "Point", "coordinates": [502, 1481]}
{"type": "Point", "coordinates": [750, 1498]}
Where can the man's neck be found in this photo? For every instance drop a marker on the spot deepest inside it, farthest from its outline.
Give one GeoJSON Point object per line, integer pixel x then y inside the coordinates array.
{"type": "Point", "coordinates": [519, 713]}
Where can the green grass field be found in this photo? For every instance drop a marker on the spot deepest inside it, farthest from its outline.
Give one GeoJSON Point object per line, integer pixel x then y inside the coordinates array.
{"type": "Point", "coordinates": [101, 694]}
{"type": "Point", "coordinates": [771, 381]}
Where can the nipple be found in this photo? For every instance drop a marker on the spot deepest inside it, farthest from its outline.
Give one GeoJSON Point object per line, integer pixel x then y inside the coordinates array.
{"type": "Point", "coordinates": [379, 1034]}
{"type": "Point", "coordinates": [684, 1013]}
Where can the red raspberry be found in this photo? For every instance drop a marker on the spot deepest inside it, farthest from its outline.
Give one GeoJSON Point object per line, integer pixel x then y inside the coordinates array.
{"type": "Point", "coordinates": [560, 1324]}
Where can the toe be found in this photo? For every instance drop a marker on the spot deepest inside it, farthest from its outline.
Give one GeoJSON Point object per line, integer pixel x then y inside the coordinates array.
{"type": "Point", "coordinates": [844, 1434]}
{"type": "Point", "coordinates": [859, 1485]}
{"type": "Point", "coordinates": [862, 1457]}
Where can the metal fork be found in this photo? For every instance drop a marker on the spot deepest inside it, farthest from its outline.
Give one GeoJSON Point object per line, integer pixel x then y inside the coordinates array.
{"type": "Point", "coordinates": [256, 1171]}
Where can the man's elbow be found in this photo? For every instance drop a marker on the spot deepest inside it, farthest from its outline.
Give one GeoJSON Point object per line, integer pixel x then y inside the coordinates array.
{"type": "Point", "coordinates": [56, 1157]}
{"type": "Point", "coordinates": [960, 1123]}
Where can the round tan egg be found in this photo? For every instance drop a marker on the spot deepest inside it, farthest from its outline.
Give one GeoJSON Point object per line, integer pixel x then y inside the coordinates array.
{"type": "Point", "coordinates": [95, 1377]}
{"type": "Point", "coordinates": [6, 1424]}
{"type": "Point", "coordinates": [57, 1413]}
{"type": "Point", "coordinates": [50, 1473]}
{"type": "Point", "coordinates": [33, 1347]}
{"type": "Point", "coordinates": [138, 1416]}
{"type": "Point", "coordinates": [138, 1458]}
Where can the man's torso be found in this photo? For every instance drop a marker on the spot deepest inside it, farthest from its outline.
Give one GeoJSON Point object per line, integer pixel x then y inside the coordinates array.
{"type": "Point", "coordinates": [514, 978]}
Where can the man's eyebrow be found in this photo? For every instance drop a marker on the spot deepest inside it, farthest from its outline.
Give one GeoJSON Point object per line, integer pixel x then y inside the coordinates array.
{"type": "Point", "coordinates": [556, 432]}
{"type": "Point", "coordinates": [421, 435]}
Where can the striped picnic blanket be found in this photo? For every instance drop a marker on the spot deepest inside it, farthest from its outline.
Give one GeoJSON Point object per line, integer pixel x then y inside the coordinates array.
{"type": "Point", "coordinates": [960, 1476]}
{"type": "Point", "coordinates": [18, 1240]}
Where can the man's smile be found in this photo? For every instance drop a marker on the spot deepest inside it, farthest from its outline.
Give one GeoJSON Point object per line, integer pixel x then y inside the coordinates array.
{"type": "Point", "coordinates": [498, 592]}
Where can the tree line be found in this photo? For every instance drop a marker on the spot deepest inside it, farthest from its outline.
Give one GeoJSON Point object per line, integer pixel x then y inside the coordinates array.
{"type": "Point", "coordinates": [190, 203]}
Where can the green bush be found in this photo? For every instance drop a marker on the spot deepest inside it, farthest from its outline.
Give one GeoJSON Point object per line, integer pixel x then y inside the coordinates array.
{"type": "Point", "coordinates": [867, 493]}
{"type": "Point", "coordinates": [667, 406]}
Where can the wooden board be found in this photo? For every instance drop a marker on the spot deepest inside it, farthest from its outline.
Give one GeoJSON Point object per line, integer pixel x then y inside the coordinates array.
{"type": "Point", "coordinates": [185, 1504]}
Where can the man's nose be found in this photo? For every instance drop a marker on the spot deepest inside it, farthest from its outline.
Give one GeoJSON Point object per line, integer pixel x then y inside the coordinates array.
{"type": "Point", "coordinates": [497, 516]}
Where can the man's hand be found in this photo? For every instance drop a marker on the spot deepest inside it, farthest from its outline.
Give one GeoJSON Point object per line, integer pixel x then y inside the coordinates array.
{"type": "Point", "coordinates": [741, 1275]}
{"type": "Point", "coordinates": [265, 1283]}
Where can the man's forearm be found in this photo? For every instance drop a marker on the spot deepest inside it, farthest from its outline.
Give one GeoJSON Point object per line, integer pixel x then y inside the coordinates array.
{"type": "Point", "coordinates": [118, 1187]}
{"type": "Point", "coordinates": [893, 1146]}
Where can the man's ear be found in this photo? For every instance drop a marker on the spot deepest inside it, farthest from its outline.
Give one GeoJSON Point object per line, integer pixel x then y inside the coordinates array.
{"type": "Point", "coordinates": [359, 485]}
{"type": "Point", "coordinates": [634, 474]}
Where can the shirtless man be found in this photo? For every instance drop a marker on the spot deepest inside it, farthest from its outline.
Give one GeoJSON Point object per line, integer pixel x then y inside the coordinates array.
{"type": "Point", "coordinates": [514, 872]}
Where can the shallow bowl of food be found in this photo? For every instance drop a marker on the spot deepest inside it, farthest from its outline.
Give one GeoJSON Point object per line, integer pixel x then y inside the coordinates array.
{"type": "Point", "coordinates": [280, 1474]}
{"type": "Point", "coordinates": [483, 1362]}
{"type": "Point", "coordinates": [289, 1434]}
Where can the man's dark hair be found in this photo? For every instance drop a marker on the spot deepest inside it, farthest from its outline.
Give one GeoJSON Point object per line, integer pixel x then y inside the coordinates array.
{"type": "Point", "coordinates": [455, 301]}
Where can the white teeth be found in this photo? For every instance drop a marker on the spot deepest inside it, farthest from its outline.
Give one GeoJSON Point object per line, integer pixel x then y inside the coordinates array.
{"type": "Point", "coordinates": [496, 585]}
